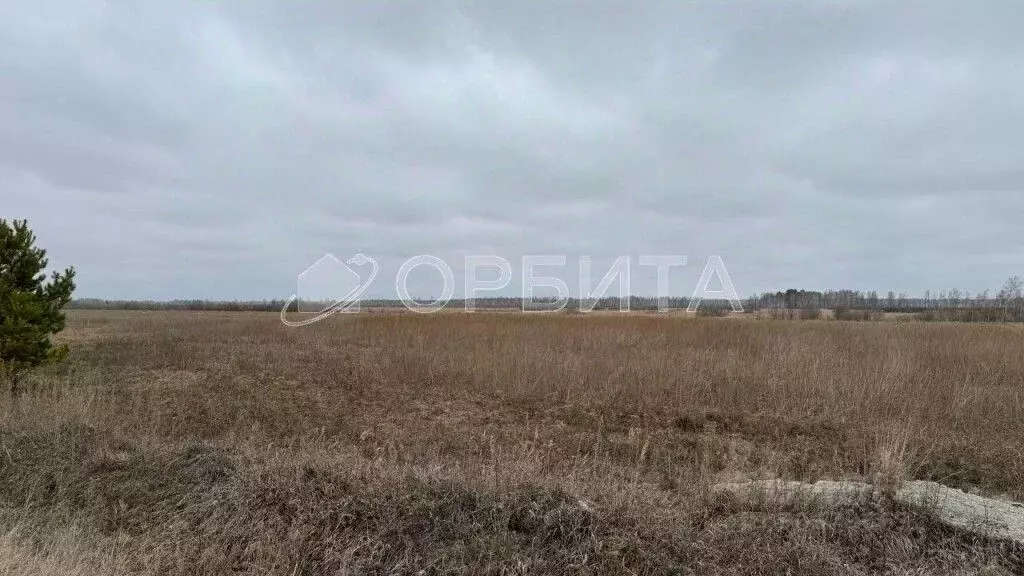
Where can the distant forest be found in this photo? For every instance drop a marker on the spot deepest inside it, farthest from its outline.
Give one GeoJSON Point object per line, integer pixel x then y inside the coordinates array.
{"type": "Point", "coordinates": [1006, 305]}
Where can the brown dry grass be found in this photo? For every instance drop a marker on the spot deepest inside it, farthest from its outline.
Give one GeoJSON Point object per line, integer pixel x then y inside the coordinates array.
{"type": "Point", "coordinates": [213, 443]}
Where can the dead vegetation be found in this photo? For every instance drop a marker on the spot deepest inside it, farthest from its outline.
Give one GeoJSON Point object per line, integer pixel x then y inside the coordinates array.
{"type": "Point", "coordinates": [213, 443]}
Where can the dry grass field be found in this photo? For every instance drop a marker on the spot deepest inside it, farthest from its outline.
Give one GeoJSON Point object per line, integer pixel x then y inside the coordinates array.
{"type": "Point", "coordinates": [226, 443]}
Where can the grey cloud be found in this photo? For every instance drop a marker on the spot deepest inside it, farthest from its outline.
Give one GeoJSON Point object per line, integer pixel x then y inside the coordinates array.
{"type": "Point", "coordinates": [215, 149]}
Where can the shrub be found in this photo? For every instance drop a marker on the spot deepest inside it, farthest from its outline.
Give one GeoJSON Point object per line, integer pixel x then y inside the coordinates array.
{"type": "Point", "coordinates": [810, 314]}
{"type": "Point", "coordinates": [979, 314]}
{"type": "Point", "coordinates": [712, 312]}
{"type": "Point", "coordinates": [850, 315]}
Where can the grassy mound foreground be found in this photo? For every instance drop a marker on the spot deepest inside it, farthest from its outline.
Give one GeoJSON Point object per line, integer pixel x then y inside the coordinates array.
{"type": "Point", "coordinates": [202, 510]}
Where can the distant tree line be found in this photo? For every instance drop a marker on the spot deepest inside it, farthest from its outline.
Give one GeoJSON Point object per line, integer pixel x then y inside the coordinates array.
{"type": "Point", "coordinates": [492, 303]}
{"type": "Point", "coordinates": [194, 305]}
{"type": "Point", "coordinates": [1006, 305]}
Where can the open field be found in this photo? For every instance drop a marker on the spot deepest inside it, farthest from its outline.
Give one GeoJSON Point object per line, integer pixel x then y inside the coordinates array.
{"type": "Point", "coordinates": [214, 443]}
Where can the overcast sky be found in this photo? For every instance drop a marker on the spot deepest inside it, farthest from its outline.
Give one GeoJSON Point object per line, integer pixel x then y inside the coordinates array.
{"type": "Point", "coordinates": [201, 149]}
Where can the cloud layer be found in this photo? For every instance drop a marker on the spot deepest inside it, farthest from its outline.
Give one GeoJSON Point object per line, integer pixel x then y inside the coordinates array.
{"type": "Point", "coordinates": [215, 149]}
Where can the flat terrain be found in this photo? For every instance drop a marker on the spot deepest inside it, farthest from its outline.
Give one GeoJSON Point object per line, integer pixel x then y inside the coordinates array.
{"type": "Point", "coordinates": [227, 443]}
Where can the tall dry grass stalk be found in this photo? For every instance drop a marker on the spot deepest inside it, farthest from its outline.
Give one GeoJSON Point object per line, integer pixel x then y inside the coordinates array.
{"type": "Point", "coordinates": [207, 443]}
